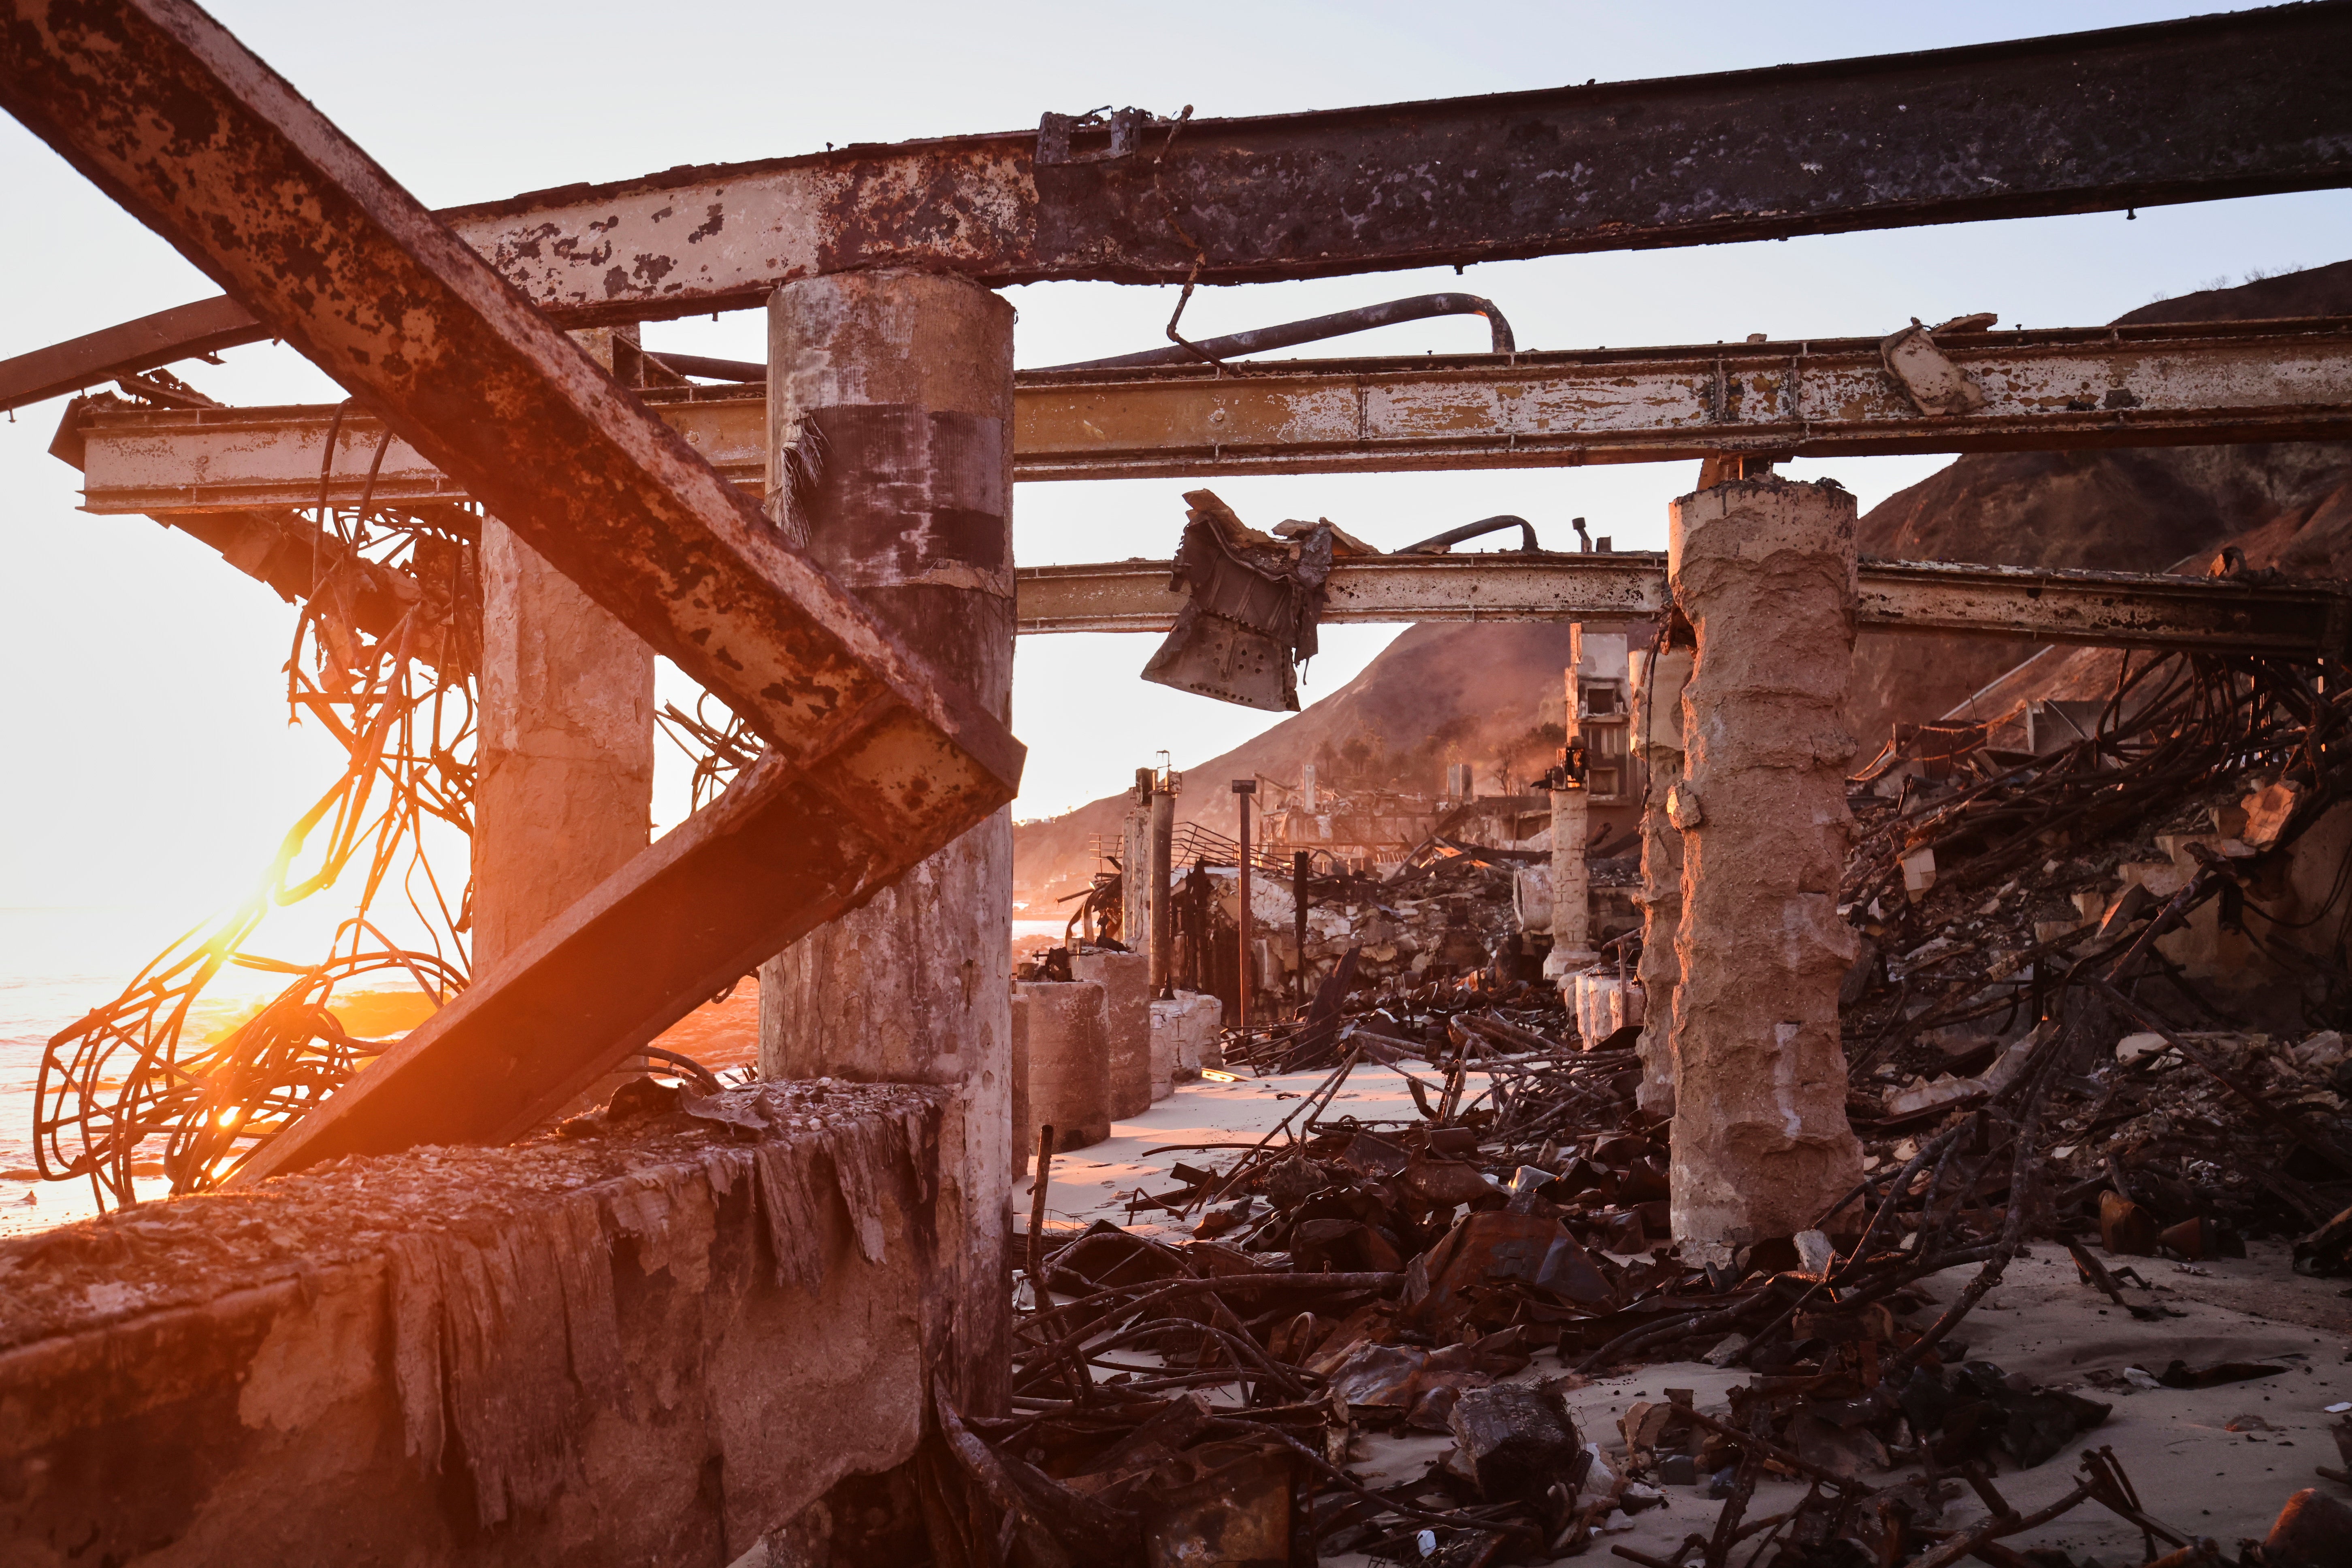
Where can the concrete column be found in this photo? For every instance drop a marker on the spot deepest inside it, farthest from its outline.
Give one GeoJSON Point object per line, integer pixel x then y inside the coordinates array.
{"type": "Point", "coordinates": [1657, 745]}
{"type": "Point", "coordinates": [1164, 900]}
{"type": "Point", "coordinates": [1764, 571]}
{"type": "Point", "coordinates": [563, 795]}
{"type": "Point", "coordinates": [1135, 869]}
{"type": "Point", "coordinates": [890, 458]}
{"type": "Point", "coordinates": [1067, 1033]}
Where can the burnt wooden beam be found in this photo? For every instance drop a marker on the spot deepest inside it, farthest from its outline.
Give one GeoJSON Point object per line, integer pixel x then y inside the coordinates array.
{"type": "Point", "coordinates": [871, 764]}
{"type": "Point", "coordinates": [2196, 110]}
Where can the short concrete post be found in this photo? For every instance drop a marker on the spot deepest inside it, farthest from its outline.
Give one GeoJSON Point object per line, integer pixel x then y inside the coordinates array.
{"type": "Point", "coordinates": [1657, 743]}
{"type": "Point", "coordinates": [890, 458]}
{"type": "Point", "coordinates": [1126, 980]}
{"type": "Point", "coordinates": [1069, 1059]}
{"type": "Point", "coordinates": [1764, 571]}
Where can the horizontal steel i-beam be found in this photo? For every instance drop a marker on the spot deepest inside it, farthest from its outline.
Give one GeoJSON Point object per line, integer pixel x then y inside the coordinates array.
{"type": "Point", "coordinates": [2118, 609]}
{"type": "Point", "coordinates": [2195, 110]}
{"type": "Point", "coordinates": [2101, 386]}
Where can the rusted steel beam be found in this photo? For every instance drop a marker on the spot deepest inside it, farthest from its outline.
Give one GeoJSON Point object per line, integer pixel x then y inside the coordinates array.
{"type": "Point", "coordinates": [690, 915]}
{"type": "Point", "coordinates": [2093, 386]}
{"type": "Point", "coordinates": [2196, 110]}
{"type": "Point", "coordinates": [184, 332]}
{"type": "Point", "coordinates": [872, 764]}
{"type": "Point", "coordinates": [1136, 596]}
{"type": "Point", "coordinates": [2121, 609]}
{"type": "Point", "coordinates": [2100, 386]}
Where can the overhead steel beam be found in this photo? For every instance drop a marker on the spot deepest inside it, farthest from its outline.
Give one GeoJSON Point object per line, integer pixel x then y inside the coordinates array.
{"type": "Point", "coordinates": [872, 764]}
{"type": "Point", "coordinates": [2098, 386]}
{"type": "Point", "coordinates": [2196, 110]}
{"type": "Point", "coordinates": [2168, 385]}
{"type": "Point", "coordinates": [2118, 609]}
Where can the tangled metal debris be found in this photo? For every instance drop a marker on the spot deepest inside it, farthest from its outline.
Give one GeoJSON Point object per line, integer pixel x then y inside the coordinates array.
{"type": "Point", "coordinates": [2035, 1059]}
{"type": "Point", "coordinates": [403, 705]}
{"type": "Point", "coordinates": [386, 654]}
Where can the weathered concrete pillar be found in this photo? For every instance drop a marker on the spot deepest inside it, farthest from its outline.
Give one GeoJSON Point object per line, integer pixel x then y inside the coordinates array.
{"type": "Point", "coordinates": [1163, 901]}
{"type": "Point", "coordinates": [563, 797]}
{"type": "Point", "coordinates": [890, 458]}
{"type": "Point", "coordinates": [1657, 745]}
{"type": "Point", "coordinates": [1571, 876]}
{"type": "Point", "coordinates": [1764, 570]}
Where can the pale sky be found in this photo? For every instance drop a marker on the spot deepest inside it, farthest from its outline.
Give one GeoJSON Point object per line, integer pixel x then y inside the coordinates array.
{"type": "Point", "coordinates": [147, 761]}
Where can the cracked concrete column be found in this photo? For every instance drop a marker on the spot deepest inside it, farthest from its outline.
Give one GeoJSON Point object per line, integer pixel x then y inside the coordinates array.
{"type": "Point", "coordinates": [564, 789]}
{"type": "Point", "coordinates": [890, 461]}
{"type": "Point", "coordinates": [1764, 571]}
{"type": "Point", "coordinates": [1657, 745]}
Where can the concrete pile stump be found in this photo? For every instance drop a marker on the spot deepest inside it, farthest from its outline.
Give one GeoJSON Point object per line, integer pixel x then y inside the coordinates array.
{"type": "Point", "coordinates": [1764, 571]}
{"type": "Point", "coordinates": [1126, 980]}
{"type": "Point", "coordinates": [1067, 1031]}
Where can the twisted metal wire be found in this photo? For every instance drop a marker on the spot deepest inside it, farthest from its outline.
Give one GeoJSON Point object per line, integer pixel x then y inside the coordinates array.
{"type": "Point", "coordinates": [128, 1074]}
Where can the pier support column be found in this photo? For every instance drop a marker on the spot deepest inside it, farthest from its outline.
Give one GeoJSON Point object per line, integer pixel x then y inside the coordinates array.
{"type": "Point", "coordinates": [563, 794]}
{"type": "Point", "coordinates": [1764, 571]}
{"type": "Point", "coordinates": [1657, 745]}
{"type": "Point", "coordinates": [890, 461]}
{"type": "Point", "coordinates": [564, 784]}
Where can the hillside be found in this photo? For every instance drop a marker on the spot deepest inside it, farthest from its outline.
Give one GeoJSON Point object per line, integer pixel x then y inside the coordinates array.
{"type": "Point", "coordinates": [2135, 509]}
{"type": "Point", "coordinates": [1476, 693]}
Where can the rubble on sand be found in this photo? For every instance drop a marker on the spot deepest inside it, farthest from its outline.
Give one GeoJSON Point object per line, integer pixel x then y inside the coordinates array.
{"type": "Point", "coordinates": [2165, 890]}
{"type": "Point", "coordinates": [2040, 1052]}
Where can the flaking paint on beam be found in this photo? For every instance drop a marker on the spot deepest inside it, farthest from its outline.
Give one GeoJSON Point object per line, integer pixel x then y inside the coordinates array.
{"type": "Point", "coordinates": [2178, 384]}
{"type": "Point", "coordinates": [2196, 110]}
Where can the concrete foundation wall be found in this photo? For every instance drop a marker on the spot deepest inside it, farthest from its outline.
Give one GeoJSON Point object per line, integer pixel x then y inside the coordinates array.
{"type": "Point", "coordinates": [652, 1346]}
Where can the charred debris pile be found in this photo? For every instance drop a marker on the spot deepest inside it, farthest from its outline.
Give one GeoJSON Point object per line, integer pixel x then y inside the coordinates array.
{"type": "Point", "coordinates": [2095, 1005]}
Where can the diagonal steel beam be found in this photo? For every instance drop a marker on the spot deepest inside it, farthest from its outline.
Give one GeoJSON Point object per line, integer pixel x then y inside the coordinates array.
{"type": "Point", "coordinates": [872, 764]}
{"type": "Point", "coordinates": [2196, 110]}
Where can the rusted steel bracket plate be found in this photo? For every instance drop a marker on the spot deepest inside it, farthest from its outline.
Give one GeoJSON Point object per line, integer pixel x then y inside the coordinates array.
{"type": "Point", "coordinates": [872, 763]}
{"type": "Point", "coordinates": [2071, 387]}
{"type": "Point", "coordinates": [2120, 609]}
{"type": "Point", "coordinates": [2195, 110]}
